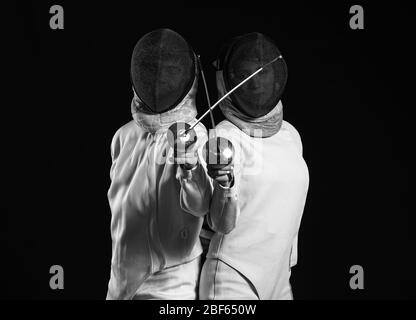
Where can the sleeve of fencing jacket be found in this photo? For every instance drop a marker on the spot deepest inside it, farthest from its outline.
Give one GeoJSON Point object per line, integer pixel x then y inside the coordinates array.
{"type": "Point", "coordinates": [196, 188]}
{"type": "Point", "coordinates": [224, 210]}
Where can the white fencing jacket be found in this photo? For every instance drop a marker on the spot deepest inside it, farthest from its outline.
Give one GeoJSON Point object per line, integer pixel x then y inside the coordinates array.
{"type": "Point", "coordinates": [157, 208]}
{"type": "Point", "coordinates": [257, 227]}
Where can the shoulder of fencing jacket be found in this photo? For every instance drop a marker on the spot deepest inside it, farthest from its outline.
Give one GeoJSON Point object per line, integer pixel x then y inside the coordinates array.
{"type": "Point", "coordinates": [226, 125]}
{"type": "Point", "coordinates": [294, 134]}
{"type": "Point", "coordinates": [121, 135]}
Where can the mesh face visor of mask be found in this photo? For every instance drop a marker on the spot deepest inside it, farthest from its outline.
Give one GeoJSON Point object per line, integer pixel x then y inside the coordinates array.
{"type": "Point", "coordinates": [162, 70]}
{"type": "Point", "coordinates": [243, 56]}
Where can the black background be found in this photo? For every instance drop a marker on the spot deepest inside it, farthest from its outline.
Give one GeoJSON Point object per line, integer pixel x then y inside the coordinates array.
{"type": "Point", "coordinates": [68, 91]}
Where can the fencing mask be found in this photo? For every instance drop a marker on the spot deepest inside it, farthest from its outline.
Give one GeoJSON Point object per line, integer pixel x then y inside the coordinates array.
{"type": "Point", "coordinates": [242, 57]}
{"type": "Point", "coordinates": [162, 70]}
